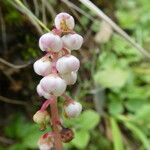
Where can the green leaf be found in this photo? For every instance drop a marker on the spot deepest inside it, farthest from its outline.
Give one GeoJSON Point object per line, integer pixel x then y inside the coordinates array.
{"type": "Point", "coordinates": [139, 134]}
{"type": "Point", "coordinates": [89, 119]}
{"type": "Point", "coordinates": [111, 77]}
{"type": "Point", "coordinates": [96, 26]}
{"type": "Point", "coordinates": [81, 139]}
{"type": "Point", "coordinates": [117, 138]}
{"type": "Point", "coordinates": [16, 124]}
{"type": "Point", "coordinates": [17, 147]}
{"type": "Point", "coordinates": [134, 105]}
{"type": "Point", "coordinates": [115, 107]}
{"type": "Point", "coordinates": [82, 122]}
{"type": "Point", "coordinates": [126, 20]}
{"type": "Point", "coordinates": [142, 116]}
{"type": "Point", "coordinates": [31, 139]}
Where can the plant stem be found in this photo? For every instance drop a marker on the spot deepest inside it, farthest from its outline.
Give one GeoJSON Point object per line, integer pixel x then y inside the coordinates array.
{"type": "Point", "coordinates": [68, 98]}
{"type": "Point", "coordinates": [103, 16]}
{"type": "Point", "coordinates": [46, 104]}
{"type": "Point", "coordinates": [31, 15]}
{"type": "Point", "coordinates": [55, 125]}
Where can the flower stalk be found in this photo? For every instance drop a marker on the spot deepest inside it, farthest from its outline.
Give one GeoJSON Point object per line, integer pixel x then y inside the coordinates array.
{"type": "Point", "coordinates": [55, 121]}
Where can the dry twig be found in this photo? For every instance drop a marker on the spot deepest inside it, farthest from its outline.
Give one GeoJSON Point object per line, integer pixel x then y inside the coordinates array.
{"type": "Point", "coordinates": [12, 101]}
{"type": "Point", "coordinates": [12, 65]}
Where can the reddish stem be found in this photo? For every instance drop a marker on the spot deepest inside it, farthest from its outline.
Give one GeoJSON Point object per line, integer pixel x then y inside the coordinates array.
{"type": "Point", "coordinates": [68, 98]}
{"type": "Point", "coordinates": [54, 70]}
{"type": "Point", "coordinates": [46, 104]}
{"type": "Point", "coordinates": [55, 125]}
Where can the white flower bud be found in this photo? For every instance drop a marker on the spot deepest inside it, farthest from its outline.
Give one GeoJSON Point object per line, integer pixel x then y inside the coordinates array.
{"type": "Point", "coordinates": [73, 109]}
{"type": "Point", "coordinates": [45, 147]}
{"type": "Point", "coordinates": [72, 41]}
{"type": "Point", "coordinates": [67, 64]}
{"type": "Point", "coordinates": [46, 142]}
{"type": "Point", "coordinates": [50, 42]}
{"type": "Point", "coordinates": [64, 22]}
{"type": "Point", "coordinates": [41, 92]}
{"type": "Point", "coordinates": [42, 67]}
{"type": "Point", "coordinates": [53, 84]}
{"type": "Point", "coordinates": [70, 78]}
{"type": "Point", "coordinates": [41, 117]}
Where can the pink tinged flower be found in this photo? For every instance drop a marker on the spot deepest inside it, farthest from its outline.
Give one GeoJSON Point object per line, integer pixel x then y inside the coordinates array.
{"type": "Point", "coordinates": [46, 142]}
{"type": "Point", "coordinates": [53, 84]}
{"type": "Point", "coordinates": [41, 92]}
{"type": "Point", "coordinates": [70, 78]}
{"type": "Point", "coordinates": [72, 41]}
{"type": "Point", "coordinates": [50, 42]}
{"type": "Point", "coordinates": [64, 22]}
{"type": "Point", "coordinates": [73, 109]}
{"type": "Point", "coordinates": [67, 64]}
{"type": "Point", "coordinates": [42, 67]}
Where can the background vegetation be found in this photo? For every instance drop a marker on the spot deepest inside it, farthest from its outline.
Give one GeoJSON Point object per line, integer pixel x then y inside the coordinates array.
{"type": "Point", "coordinates": [113, 83]}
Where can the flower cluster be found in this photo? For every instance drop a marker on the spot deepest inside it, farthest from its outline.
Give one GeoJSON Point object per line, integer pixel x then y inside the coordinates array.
{"type": "Point", "coordinates": [58, 68]}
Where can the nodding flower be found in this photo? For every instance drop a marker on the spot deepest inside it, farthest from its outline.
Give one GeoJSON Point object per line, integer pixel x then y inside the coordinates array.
{"type": "Point", "coordinates": [72, 41]}
{"type": "Point", "coordinates": [41, 117]}
{"type": "Point", "coordinates": [42, 67]}
{"type": "Point", "coordinates": [73, 109]}
{"type": "Point", "coordinates": [70, 78]}
{"type": "Point", "coordinates": [41, 92]}
{"type": "Point", "coordinates": [50, 42]}
{"type": "Point", "coordinates": [64, 22]}
{"type": "Point", "coordinates": [46, 142]}
{"type": "Point", "coordinates": [53, 84]}
{"type": "Point", "coordinates": [67, 64]}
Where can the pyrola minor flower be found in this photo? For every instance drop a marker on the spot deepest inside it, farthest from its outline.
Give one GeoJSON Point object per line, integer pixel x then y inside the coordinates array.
{"type": "Point", "coordinates": [64, 22]}
{"type": "Point", "coordinates": [53, 84]}
{"type": "Point", "coordinates": [50, 42]}
{"type": "Point", "coordinates": [41, 92]}
{"type": "Point", "coordinates": [70, 78]}
{"type": "Point", "coordinates": [59, 69]}
{"type": "Point", "coordinates": [46, 142]}
{"type": "Point", "coordinates": [73, 109]}
{"type": "Point", "coordinates": [41, 117]}
{"type": "Point", "coordinates": [67, 64]}
{"type": "Point", "coordinates": [42, 67]}
{"type": "Point", "coordinates": [72, 41]}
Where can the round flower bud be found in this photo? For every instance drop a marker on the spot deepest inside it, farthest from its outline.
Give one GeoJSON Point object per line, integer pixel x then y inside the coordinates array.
{"type": "Point", "coordinates": [70, 78]}
{"type": "Point", "coordinates": [50, 42]}
{"type": "Point", "coordinates": [73, 109]}
{"type": "Point", "coordinates": [53, 84]}
{"type": "Point", "coordinates": [67, 64]}
{"type": "Point", "coordinates": [42, 67]}
{"type": "Point", "coordinates": [72, 41]}
{"type": "Point", "coordinates": [46, 142]}
{"type": "Point", "coordinates": [41, 92]}
{"type": "Point", "coordinates": [66, 135]}
{"type": "Point", "coordinates": [64, 22]}
{"type": "Point", "coordinates": [41, 117]}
